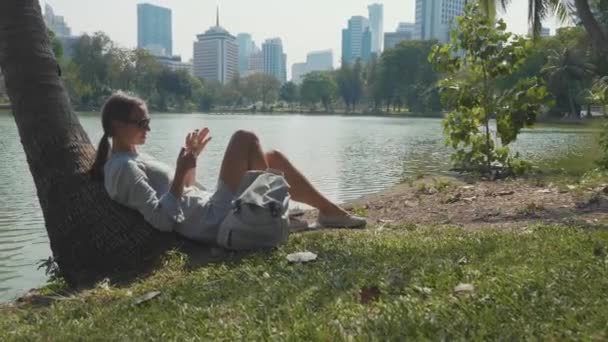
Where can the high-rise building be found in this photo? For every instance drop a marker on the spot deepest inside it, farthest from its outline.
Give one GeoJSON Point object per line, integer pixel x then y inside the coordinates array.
{"type": "Point", "coordinates": [154, 29]}
{"type": "Point", "coordinates": [274, 59]}
{"type": "Point", "coordinates": [353, 39]}
{"type": "Point", "coordinates": [216, 55]}
{"type": "Point", "coordinates": [320, 60]}
{"type": "Point", "coordinates": [405, 31]}
{"type": "Point", "coordinates": [246, 48]}
{"type": "Point", "coordinates": [376, 24]}
{"type": "Point", "coordinates": [315, 61]}
{"type": "Point", "coordinates": [544, 32]}
{"type": "Point", "coordinates": [435, 18]}
{"type": "Point", "coordinates": [256, 63]}
{"type": "Point", "coordinates": [175, 63]}
{"type": "Point", "coordinates": [56, 23]}
{"type": "Point", "coordinates": [298, 71]}
{"type": "Point", "coordinates": [284, 68]}
{"type": "Point", "coordinates": [68, 43]}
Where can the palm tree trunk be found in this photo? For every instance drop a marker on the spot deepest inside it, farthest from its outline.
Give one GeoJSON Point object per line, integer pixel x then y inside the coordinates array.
{"type": "Point", "coordinates": [571, 102]}
{"type": "Point", "coordinates": [90, 235]}
{"type": "Point", "coordinates": [599, 38]}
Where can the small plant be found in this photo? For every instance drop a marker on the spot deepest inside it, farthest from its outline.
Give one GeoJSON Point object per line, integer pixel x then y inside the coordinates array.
{"type": "Point", "coordinates": [360, 211]}
{"type": "Point", "coordinates": [482, 51]}
{"type": "Point", "coordinates": [441, 184]}
{"type": "Point", "coordinates": [530, 209]}
{"type": "Point", "coordinates": [51, 269]}
{"type": "Point", "coordinates": [451, 198]}
{"type": "Point", "coordinates": [423, 188]}
{"type": "Point", "coordinates": [407, 180]}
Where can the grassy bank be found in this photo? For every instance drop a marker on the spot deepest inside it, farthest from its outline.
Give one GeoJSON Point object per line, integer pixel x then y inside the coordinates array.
{"type": "Point", "coordinates": [388, 282]}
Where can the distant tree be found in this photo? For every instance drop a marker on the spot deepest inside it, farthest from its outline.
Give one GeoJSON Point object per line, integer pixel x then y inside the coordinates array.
{"type": "Point", "coordinates": [350, 83]}
{"type": "Point", "coordinates": [289, 93]}
{"type": "Point", "coordinates": [318, 87]}
{"type": "Point", "coordinates": [56, 44]}
{"type": "Point", "coordinates": [591, 14]}
{"type": "Point", "coordinates": [261, 87]}
{"type": "Point", "coordinates": [566, 71]}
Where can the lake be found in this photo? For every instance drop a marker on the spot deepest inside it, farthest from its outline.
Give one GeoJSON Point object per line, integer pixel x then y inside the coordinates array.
{"type": "Point", "coordinates": [346, 157]}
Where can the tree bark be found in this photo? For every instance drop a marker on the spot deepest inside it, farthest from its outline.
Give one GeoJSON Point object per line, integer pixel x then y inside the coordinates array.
{"type": "Point", "coordinates": [599, 37]}
{"type": "Point", "coordinates": [91, 236]}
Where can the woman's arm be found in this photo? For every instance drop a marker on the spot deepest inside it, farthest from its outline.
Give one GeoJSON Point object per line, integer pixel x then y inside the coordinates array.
{"type": "Point", "coordinates": [185, 172]}
{"type": "Point", "coordinates": [195, 143]}
{"type": "Point", "coordinates": [190, 178]}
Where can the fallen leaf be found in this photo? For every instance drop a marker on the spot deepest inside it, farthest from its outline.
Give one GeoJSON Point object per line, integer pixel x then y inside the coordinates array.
{"type": "Point", "coordinates": [147, 297]}
{"type": "Point", "coordinates": [544, 191]}
{"type": "Point", "coordinates": [571, 187]}
{"type": "Point", "coordinates": [469, 199]}
{"type": "Point", "coordinates": [302, 257]}
{"type": "Point", "coordinates": [369, 294]}
{"type": "Point", "coordinates": [467, 187]}
{"type": "Point", "coordinates": [104, 284]}
{"type": "Point", "coordinates": [423, 290]}
{"type": "Point", "coordinates": [464, 289]}
{"type": "Point", "coordinates": [463, 261]}
{"type": "Point", "coordinates": [505, 193]}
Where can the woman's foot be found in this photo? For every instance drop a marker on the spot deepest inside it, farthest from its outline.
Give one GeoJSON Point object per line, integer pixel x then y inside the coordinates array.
{"type": "Point", "coordinates": [340, 220]}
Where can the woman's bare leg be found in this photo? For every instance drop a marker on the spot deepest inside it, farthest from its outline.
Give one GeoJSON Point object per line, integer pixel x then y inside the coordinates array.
{"type": "Point", "coordinates": [245, 153]}
{"type": "Point", "coordinates": [301, 189]}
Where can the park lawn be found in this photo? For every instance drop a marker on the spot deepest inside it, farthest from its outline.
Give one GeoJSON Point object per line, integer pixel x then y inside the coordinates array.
{"type": "Point", "coordinates": [384, 283]}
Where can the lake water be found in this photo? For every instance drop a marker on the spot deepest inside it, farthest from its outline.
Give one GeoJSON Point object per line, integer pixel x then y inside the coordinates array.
{"type": "Point", "coordinates": [346, 157]}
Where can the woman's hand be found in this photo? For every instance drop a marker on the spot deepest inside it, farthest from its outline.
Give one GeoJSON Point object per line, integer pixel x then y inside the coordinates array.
{"type": "Point", "coordinates": [186, 161]}
{"type": "Point", "coordinates": [197, 141]}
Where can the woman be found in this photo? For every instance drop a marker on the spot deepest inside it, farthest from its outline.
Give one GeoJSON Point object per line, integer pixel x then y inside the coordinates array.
{"type": "Point", "coordinates": [169, 199]}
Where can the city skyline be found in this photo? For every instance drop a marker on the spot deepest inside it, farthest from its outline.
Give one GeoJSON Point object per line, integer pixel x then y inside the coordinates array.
{"type": "Point", "coordinates": [118, 19]}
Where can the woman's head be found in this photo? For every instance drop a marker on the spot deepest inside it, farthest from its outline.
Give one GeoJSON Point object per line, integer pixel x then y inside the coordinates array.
{"type": "Point", "coordinates": [124, 119]}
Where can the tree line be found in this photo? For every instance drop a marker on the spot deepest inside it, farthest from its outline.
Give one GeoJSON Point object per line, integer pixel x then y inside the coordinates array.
{"type": "Point", "coordinates": [402, 78]}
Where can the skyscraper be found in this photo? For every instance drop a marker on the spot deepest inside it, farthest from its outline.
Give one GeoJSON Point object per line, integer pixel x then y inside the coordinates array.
{"type": "Point", "coordinates": [256, 63]}
{"type": "Point", "coordinates": [376, 22]}
{"type": "Point", "coordinates": [154, 29]}
{"type": "Point", "coordinates": [544, 32]}
{"type": "Point", "coordinates": [56, 23]}
{"type": "Point", "coordinates": [405, 31]}
{"type": "Point", "coordinates": [353, 39]}
{"type": "Point", "coordinates": [298, 71]}
{"type": "Point", "coordinates": [274, 59]}
{"type": "Point", "coordinates": [435, 18]}
{"type": "Point", "coordinates": [320, 60]}
{"type": "Point", "coordinates": [246, 48]}
{"type": "Point", "coordinates": [216, 55]}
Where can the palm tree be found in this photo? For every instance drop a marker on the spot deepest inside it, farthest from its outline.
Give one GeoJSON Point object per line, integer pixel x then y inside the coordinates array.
{"type": "Point", "coordinates": [538, 10]}
{"type": "Point", "coordinates": [90, 235]}
{"type": "Point", "coordinates": [566, 69]}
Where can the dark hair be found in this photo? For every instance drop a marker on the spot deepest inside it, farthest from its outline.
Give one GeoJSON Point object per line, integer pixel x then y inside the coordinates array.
{"type": "Point", "coordinates": [118, 107]}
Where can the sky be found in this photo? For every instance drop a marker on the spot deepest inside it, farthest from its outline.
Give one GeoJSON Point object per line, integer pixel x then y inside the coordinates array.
{"type": "Point", "coordinates": [303, 25]}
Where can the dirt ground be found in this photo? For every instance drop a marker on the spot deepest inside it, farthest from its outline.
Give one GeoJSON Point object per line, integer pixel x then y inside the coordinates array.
{"type": "Point", "coordinates": [506, 203]}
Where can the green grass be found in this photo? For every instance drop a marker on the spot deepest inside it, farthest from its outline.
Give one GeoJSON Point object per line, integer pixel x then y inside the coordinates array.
{"type": "Point", "coordinates": [543, 282]}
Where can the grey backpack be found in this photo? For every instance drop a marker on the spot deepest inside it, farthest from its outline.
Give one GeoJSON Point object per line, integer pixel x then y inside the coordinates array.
{"type": "Point", "coordinates": [259, 218]}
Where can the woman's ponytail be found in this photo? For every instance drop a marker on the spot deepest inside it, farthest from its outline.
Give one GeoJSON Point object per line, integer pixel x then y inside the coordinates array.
{"type": "Point", "coordinates": [103, 150]}
{"type": "Point", "coordinates": [117, 107]}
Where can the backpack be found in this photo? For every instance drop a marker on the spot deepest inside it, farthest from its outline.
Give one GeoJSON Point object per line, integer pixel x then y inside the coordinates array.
{"type": "Point", "coordinates": [259, 217]}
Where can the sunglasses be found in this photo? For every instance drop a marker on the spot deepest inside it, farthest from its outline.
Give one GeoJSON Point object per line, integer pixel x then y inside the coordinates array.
{"type": "Point", "coordinates": [142, 123]}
